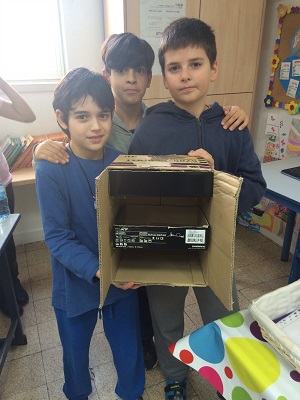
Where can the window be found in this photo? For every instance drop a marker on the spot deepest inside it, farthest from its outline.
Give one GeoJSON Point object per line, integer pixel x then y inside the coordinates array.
{"type": "Point", "coordinates": [31, 43]}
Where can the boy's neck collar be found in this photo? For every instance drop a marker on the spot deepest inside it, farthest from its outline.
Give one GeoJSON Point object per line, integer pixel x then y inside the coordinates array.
{"type": "Point", "coordinates": [195, 112]}
{"type": "Point", "coordinates": [130, 116]}
{"type": "Point", "coordinates": [77, 155]}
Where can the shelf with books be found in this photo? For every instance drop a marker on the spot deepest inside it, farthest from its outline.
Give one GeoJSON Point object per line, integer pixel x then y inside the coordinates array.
{"type": "Point", "coordinates": [25, 159]}
{"type": "Point", "coordinates": [23, 176]}
{"type": "Point", "coordinates": [18, 153]}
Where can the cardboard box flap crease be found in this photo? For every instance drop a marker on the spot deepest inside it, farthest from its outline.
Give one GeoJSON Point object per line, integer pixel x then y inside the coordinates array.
{"type": "Point", "coordinates": [212, 267]}
{"type": "Point", "coordinates": [171, 162]}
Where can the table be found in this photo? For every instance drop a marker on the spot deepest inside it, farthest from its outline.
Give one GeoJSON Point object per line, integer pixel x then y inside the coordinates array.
{"type": "Point", "coordinates": [15, 335]}
{"type": "Point", "coordinates": [232, 355]}
{"type": "Point", "coordinates": [286, 191]}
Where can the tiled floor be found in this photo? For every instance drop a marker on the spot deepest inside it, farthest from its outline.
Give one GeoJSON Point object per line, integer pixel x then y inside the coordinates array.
{"type": "Point", "coordinates": [34, 371]}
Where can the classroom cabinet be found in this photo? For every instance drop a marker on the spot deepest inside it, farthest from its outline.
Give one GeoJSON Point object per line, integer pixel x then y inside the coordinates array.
{"type": "Point", "coordinates": [238, 25]}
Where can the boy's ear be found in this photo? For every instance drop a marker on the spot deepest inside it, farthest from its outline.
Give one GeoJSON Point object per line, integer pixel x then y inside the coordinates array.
{"type": "Point", "coordinates": [106, 75]}
{"type": "Point", "coordinates": [165, 82]}
{"type": "Point", "coordinates": [149, 79]}
{"type": "Point", "coordinates": [214, 71]}
{"type": "Point", "coordinates": [59, 116]}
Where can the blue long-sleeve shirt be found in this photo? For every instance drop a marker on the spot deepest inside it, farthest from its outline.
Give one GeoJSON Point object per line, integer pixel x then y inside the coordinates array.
{"type": "Point", "coordinates": [168, 129]}
{"type": "Point", "coordinates": [65, 194]}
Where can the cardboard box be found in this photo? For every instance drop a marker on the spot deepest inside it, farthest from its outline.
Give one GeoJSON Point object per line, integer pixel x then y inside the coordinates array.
{"type": "Point", "coordinates": [213, 267]}
{"type": "Point", "coordinates": [160, 176]}
{"type": "Point", "coordinates": [158, 227]}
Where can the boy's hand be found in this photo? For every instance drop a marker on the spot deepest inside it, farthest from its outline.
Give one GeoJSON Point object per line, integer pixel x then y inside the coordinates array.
{"type": "Point", "coordinates": [127, 285]}
{"type": "Point", "coordinates": [204, 154]}
{"type": "Point", "coordinates": [123, 286]}
{"type": "Point", "coordinates": [235, 116]}
{"type": "Point", "coordinates": [52, 151]}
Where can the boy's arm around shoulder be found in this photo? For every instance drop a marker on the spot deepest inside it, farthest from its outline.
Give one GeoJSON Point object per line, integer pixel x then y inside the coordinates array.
{"type": "Point", "coordinates": [50, 150]}
{"type": "Point", "coordinates": [249, 168]}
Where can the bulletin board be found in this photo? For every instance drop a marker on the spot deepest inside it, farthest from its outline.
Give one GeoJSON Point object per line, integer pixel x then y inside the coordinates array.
{"type": "Point", "coordinates": [284, 85]}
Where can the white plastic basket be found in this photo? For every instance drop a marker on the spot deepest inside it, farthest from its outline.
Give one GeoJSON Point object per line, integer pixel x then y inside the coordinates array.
{"type": "Point", "coordinates": [271, 306]}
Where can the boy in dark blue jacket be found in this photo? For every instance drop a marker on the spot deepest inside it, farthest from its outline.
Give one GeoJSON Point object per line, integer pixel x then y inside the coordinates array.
{"type": "Point", "coordinates": [84, 105]}
{"type": "Point", "coordinates": [187, 56]}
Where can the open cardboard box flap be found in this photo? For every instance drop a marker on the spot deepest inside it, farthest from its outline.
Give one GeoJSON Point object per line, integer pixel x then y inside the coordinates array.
{"type": "Point", "coordinates": [172, 175]}
{"type": "Point", "coordinates": [171, 162]}
{"type": "Point", "coordinates": [213, 267]}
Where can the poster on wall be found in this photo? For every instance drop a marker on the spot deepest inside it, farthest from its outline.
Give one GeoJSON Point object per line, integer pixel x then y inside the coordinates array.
{"type": "Point", "coordinates": [155, 16]}
{"type": "Point", "coordinates": [284, 84]}
{"type": "Point", "coordinates": [282, 137]}
{"type": "Point", "coordinates": [270, 216]}
{"type": "Point", "coordinates": [276, 136]}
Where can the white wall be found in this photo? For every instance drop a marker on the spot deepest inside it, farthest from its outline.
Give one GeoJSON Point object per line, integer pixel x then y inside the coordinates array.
{"type": "Point", "coordinates": [83, 21]}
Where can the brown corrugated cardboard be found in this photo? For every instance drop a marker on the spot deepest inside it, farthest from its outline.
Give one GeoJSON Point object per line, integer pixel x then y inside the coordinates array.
{"type": "Point", "coordinates": [213, 267]}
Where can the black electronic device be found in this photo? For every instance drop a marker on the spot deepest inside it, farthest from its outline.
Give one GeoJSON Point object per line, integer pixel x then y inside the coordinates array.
{"type": "Point", "coordinates": [293, 172]}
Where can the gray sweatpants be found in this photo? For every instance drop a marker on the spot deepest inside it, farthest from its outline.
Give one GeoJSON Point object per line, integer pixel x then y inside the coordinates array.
{"type": "Point", "coordinates": [167, 311]}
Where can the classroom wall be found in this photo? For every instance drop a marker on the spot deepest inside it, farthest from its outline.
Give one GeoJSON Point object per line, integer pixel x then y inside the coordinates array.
{"type": "Point", "coordinates": [84, 36]}
{"type": "Point", "coordinates": [260, 112]}
{"type": "Point", "coordinates": [85, 33]}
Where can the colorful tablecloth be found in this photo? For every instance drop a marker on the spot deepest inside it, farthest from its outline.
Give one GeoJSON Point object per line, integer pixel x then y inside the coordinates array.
{"type": "Point", "coordinates": [232, 355]}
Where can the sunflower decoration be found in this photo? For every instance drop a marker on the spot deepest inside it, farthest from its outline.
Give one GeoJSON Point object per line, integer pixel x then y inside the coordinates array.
{"type": "Point", "coordinates": [282, 10]}
{"type": "Point", "coordinates": [292, 107]}
{"type": "Point", "coordinates": [275, 60]}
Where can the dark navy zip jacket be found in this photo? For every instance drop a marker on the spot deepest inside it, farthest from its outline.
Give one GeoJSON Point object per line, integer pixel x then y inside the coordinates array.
{"type": "Point", "coordinates": [168, 129]}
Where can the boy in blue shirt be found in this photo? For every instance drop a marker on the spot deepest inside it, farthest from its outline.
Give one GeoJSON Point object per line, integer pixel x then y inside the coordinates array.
{"type": "Point", "coordinates": [187, 55]}
{"type": "Point", "coordinates": [84, 106]}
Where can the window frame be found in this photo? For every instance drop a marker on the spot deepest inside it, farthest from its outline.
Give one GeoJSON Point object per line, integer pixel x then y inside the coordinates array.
{"type": "Point", "coordinates": [47, 83]}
